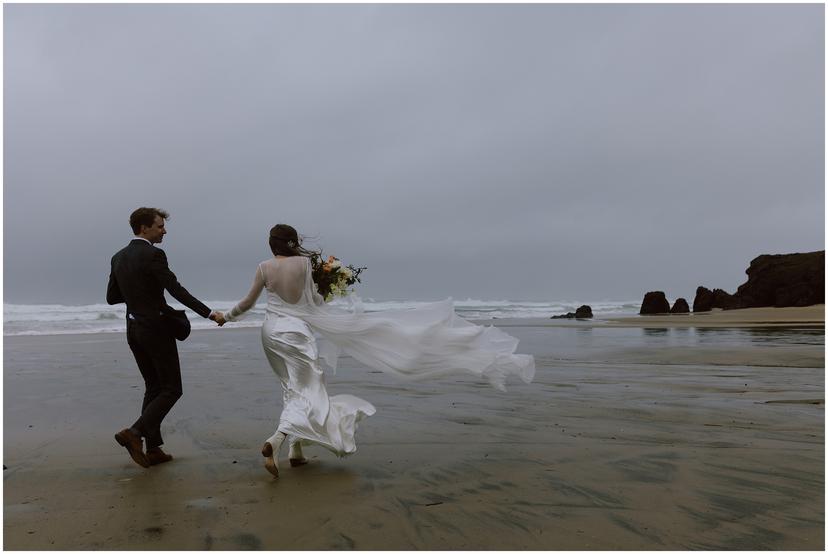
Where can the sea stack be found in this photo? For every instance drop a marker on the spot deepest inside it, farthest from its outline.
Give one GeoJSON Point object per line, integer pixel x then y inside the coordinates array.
{"type": "Point", "coordinates": [584, 312]}
{"type": "Point", "coordinates": [706, 300]}
{"type": "Point", "coordinates": [784, 280]}
{"type": "Point", "coordinates": [680, 307]}
{"type": "Point", "coordinates": [655, 302]}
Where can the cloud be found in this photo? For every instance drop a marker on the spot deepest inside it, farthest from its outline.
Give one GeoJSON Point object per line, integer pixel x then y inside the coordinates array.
{"type": "Point", "coordinates": [500, 151]}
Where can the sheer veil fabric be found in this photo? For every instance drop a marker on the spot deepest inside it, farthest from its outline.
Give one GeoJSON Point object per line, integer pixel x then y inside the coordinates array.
{"type": "Point", "coordinates": [423, 343]}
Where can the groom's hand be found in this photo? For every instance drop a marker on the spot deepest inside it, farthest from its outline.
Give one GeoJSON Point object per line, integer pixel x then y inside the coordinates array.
{"type": "Point", "coordinates": [218, 317]}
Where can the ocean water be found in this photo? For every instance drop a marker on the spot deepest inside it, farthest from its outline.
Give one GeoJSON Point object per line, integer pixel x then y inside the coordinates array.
{"type": "Point", "coordinates": [58, 319]}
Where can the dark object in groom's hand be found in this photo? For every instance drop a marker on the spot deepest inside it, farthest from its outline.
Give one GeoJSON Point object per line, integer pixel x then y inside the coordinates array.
{"type": "Point", "coordinates": [176, 322]}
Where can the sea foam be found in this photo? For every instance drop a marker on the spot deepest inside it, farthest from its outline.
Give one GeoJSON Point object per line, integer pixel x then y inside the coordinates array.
{"type": "Point", "coordinates": [58, 319]}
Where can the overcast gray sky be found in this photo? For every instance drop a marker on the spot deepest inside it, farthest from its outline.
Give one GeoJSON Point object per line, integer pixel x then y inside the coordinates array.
{"type": "Point", "coordinates": [544, 152]}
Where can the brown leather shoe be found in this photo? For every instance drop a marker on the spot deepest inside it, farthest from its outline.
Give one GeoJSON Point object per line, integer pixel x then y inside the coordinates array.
{"type": "Point", "coordinates": [157, 456]}
{"type": "Point", "coordinates": [134, 445]}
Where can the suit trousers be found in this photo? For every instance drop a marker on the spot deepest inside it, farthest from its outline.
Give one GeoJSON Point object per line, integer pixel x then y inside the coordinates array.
{"type": "Point", "coordinates": [156, 353]}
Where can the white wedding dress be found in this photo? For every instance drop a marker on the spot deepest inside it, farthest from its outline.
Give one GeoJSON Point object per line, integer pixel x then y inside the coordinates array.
{"type": "Point", "coordinates": [419, 343]}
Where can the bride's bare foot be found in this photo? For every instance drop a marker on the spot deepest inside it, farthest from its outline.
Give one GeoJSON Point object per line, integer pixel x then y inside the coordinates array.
{"type": "Point", "coordinates": [271, 466]}
{"type": "Point", "coordinates": [271, 452]}
{"type": "Point", "coordinates": [270, 462]}
{"type": "Point", "coordinates": [267, 450]}
{"type": "Point", "coordinates": [296, 457]}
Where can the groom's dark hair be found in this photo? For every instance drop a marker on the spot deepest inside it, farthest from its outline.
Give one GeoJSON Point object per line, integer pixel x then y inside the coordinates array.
{"type": "Point", "coordinates": [145, 216]}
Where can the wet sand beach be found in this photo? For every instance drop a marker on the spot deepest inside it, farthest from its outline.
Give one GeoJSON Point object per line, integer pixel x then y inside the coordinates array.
{"type": "Point", "coordinates": [631, 437]}
{"type": "Point", "coordinates": [746, 318]}
{"type": "Point", "coordinates": [749, 317]}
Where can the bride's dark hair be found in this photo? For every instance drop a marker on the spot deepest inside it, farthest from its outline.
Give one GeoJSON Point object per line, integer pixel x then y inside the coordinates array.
{"type": "Point", "coordinates": [285, 241]}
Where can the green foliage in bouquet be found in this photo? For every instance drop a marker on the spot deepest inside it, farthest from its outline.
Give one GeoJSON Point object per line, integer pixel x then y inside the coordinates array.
{"type": "Point", "coordinates": [331, 277]}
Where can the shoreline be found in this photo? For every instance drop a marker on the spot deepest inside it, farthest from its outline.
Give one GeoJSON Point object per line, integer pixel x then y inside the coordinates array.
{"type": "Point", "coordinates": [745, 317]}
{"type": "Point", "coordinates": [808, 316]}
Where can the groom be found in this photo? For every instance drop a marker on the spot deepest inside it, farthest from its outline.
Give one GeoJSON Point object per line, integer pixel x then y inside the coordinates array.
{"type": "Point", "coordinates": [139, 276]}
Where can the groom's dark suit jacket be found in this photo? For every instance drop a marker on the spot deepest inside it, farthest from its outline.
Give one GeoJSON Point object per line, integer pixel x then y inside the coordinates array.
{"type": "Point", "coordinates": [139, 276]}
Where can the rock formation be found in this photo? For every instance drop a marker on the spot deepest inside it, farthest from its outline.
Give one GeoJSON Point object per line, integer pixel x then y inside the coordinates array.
{"type": "Point", "coordinates": [680, 307]}
{"type": "Point", "coordinates": [778, 280]}
{"type": "Point", "coordinates": [784, 280]}
{"type": "Point", "coordinates": [655, 303]}
{"type": "Point", "coordinates": [706, 300]}
{"type": "Point", "coordinates": [584, 312]}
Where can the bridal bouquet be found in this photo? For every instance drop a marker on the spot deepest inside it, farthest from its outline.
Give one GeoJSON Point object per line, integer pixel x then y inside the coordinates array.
{"type": "Point", "coordinates": [332, 278]}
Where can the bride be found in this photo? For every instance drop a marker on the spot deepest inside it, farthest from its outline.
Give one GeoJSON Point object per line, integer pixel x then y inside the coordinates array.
{"type": "Point", "coordinates": [419, 343]}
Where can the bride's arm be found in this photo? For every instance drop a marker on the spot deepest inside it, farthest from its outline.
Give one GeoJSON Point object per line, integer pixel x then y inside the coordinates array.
{"type": "Point", "coordinates": [250, 300]}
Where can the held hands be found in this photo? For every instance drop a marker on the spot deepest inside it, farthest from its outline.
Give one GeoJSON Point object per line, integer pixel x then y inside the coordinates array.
{"type": "Point", "coordinates": [218, 317]}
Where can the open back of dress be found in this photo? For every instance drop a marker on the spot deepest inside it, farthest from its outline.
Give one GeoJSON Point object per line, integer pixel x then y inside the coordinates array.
{"type": "Point", "coordinates": [286, 278]}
